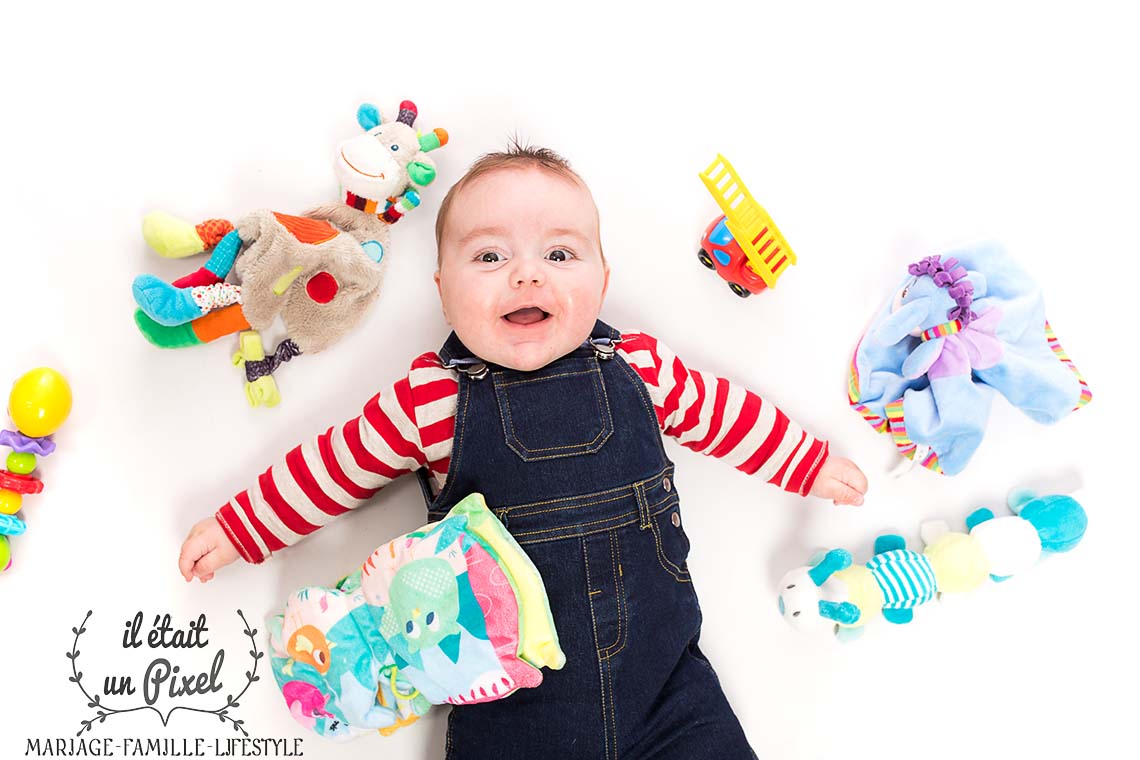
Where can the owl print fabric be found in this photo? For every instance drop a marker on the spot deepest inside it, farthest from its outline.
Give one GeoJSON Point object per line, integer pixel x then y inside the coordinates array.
{"type": "Point", "coordinates": [452, 613]}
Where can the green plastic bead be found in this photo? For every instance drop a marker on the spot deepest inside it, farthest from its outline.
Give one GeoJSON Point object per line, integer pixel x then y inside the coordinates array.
{"type": "Point", "coordinates": [21, 463]}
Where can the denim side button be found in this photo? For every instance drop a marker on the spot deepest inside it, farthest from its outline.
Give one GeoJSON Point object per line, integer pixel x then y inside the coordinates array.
{"type": "Point", "coordinates": [676, 520]}
{"type": "Point", "coordinates": [666, 484]}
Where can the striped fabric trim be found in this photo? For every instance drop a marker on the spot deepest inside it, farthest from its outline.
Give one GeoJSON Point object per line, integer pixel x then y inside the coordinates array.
{"type": "Point", "coordinates": [905, 577]}
{"type": "Point", "coordinates": [905, 445]}
{"type": "Point", "coordinates": [952, 327]}
{"type": "Point", "coordinates": [875, 421]}
{"type": "Point", "coordinates": [1086, 394]}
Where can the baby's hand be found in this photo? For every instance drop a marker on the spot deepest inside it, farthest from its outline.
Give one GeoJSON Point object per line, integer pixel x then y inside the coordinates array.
{"type": "Point", "coordinates": [841, 481]}
{"type": "Point", "coordinates": [205, 550]}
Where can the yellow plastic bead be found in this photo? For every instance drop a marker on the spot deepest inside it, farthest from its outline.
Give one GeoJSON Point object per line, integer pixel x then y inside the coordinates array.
{"type": "Point", "coordinates": [40, 402]}
{"type": "Point", "coordinates": [21, 463]}
{"type": "Point", "coordinates": [10, 502]}
{"type": "Point", "coordinates": [5, 553]}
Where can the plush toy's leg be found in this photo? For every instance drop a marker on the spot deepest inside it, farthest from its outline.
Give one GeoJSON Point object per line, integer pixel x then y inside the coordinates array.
{"type": "Point", "coordinates": [174, 238]}
{"type": "Point", "coordinates": [202, 330]}
{"type": "Point", "coordinates": [898, 617]}
{"type": "Point", "coordinates": [169, 305]}
{"type": "Point", "coordinates": [163, 336]}
{"type": "Point", "coordinates": [219, 265]}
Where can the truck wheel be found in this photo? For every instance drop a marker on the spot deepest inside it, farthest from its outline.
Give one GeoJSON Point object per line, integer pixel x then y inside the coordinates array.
{"type": "Point", "coordinates": [703, 255]}
{"type": "Point", "coordinates": [742, 292]}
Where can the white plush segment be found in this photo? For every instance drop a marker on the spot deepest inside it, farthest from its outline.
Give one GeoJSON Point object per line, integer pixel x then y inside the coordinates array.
{"type": "Point", "coordinates": [1011, 544]}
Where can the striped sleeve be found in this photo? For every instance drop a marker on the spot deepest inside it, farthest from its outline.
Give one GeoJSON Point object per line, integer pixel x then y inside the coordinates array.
{"type": "Point", "coordinates": [404, 427]}
{"type": "Point", "coordinates": [719, 418]}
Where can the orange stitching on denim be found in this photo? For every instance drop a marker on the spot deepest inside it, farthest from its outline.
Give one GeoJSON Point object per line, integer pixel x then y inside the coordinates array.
{"type": "Point", "coordinates": [589, 371]}
{"type": "Point", "coordinates": [648, 482]}
{"type": "Point", "coordinates": [619, 591]}
{"type": "Point", "coordinates": [589, 447]}
{"type": "Point", "coordinates": [613, 712]}
{"type": "Point", "coordinates": [575, 535]}
{"type": "Point", "coordinates": [570, 527]}
{"type": "Point", "coordinates": [457, 445]}
{"type": "Point", "coordinates": [662, 559]}
{"type": "Point", "coordinates": [571, 506]}
{"type": "Point", "coordinates": [594, 624]}
{"type": "Point", "coordinates": [643, 395]}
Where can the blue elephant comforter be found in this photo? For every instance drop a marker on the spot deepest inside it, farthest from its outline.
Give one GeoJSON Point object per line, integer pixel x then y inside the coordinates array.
{"type": "Point", "coordinates": [957, 329]}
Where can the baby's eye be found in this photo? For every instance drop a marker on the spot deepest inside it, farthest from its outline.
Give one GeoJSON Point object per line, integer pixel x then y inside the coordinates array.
{"type": "Point", "coordinates": [905, 291]}
{"type": "Point", "coordinates": [395, 147]}
{"type": "Point", "coordinates": [559, 254]}
{"type": "Point", "coordinates": [490, 257]}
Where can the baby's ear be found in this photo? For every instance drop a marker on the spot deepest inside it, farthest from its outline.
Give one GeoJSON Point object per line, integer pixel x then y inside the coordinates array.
{"type": "Point", "coordinates": [909, 316]}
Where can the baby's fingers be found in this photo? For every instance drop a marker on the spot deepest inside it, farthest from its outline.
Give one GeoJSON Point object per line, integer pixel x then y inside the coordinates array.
{"type": "Point", "coordinates": [192, 549]}
{"type": "Point", "coordinates": [841, 493]}
{"type": "Point", "coordinates": [205, 567]}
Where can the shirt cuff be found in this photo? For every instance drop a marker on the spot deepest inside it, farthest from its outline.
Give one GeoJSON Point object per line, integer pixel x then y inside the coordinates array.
{"type": "Point", "coordinates": [231, 524]}
{"type": "Point", "coordinates": [814, 466]}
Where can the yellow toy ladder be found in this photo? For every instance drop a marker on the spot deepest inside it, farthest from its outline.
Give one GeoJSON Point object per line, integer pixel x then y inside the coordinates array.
{"type": "Point", "coordinates": [757, 235]}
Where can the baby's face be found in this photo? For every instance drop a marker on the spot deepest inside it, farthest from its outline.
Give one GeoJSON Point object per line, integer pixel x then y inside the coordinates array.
{"type": "Point", "coordinates": [521, 274]}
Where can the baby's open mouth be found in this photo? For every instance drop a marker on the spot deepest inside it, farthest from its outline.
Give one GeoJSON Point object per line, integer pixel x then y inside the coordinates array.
{"type": "Point", "coordinates": [526, 316]}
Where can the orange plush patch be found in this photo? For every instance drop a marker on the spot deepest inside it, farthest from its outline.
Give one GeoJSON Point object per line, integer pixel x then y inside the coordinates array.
{"type": "Point", "coordinates": [307, 230]}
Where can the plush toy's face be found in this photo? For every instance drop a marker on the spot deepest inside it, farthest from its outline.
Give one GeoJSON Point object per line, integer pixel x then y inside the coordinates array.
{"type": "Point", "coordinates": [921, 290]}
{"type": "Point", "coordinates": [389, 157]}
{"type": "Point", "coordinates": [373, 164]}
{"type": "Point", "coordinates": [799, 603]}
{"type": "Point", "coordinates": [425, 602]}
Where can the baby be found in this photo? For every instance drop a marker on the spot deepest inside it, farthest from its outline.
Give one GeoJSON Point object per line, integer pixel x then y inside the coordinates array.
{"type": "Point", "coordinates": [556, 418]}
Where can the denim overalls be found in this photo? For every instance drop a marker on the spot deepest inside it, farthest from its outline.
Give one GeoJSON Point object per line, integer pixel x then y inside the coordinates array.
{"type": "Point", "coordinates": [570, 458]}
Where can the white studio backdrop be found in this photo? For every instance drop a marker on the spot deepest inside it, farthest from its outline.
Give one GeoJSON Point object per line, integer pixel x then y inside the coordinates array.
{"type": "Point", "coordinates": [874, 136]}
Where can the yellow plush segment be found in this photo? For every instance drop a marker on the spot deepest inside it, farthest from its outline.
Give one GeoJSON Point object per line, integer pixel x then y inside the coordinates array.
{"type": "Point", "coordinates": [959, 563]}
{"type": "Point", "coordinates": [862, 591]}
{"type": "Point", "coordinates": [538, 641]}
{"type": "Point", "coordinates": [171, 237]}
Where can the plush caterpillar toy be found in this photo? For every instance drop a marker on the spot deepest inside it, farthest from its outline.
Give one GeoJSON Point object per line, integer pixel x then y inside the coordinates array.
{"type": "Point", "coordinates": [832, 594]}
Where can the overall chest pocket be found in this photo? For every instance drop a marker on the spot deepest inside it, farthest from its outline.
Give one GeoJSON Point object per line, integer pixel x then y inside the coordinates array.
{"type": "Point", "coordinates": [562, 414]}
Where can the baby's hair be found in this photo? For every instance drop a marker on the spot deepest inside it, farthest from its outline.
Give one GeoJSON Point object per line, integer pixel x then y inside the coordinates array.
{"type": "Point", "coordinates": [517, 155]}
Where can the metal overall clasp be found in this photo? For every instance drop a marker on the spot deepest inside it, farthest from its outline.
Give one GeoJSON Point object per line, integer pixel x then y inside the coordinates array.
{"type": "Point", "coordinates": [604, 348]}
{"type": "Point", "coordinates": [473, 368]}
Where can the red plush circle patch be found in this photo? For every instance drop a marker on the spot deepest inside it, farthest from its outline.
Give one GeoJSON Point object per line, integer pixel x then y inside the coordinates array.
{"type": "Point", "coordinates": [322, 287]}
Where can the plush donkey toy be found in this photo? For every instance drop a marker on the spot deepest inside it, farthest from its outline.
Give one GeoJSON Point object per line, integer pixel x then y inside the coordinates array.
{"type": "Point", "coordinates": [318, 272]}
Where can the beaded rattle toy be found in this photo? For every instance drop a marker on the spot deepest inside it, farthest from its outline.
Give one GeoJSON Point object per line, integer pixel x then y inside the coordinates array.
{"type": "Point", "coordinates": [38, 405]}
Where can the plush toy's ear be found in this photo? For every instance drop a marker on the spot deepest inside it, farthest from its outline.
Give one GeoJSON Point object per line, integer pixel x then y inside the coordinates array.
{"type": "Point", "coordinates": [908, 317]}
{"type": "Point", "coordinates": [421, 171]}
{"type": "Point", "coordinates": [368, 116]}
{"type": "Point", "coordinates": [922, 358]}
{"type": "Point", "coordinates": [834, 561]}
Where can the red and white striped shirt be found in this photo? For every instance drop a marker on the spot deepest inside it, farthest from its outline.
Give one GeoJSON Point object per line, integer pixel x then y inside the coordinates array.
{"type": "Point", "coordinates": [411, 425]}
